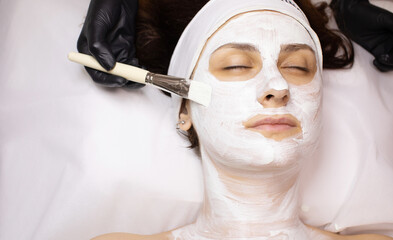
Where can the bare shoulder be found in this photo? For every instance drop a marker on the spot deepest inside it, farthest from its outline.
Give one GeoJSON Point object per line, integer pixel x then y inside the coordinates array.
{"type": "Point", "coordinates": [367, 237]}
{"type": "Point", "coordinates": [333, 236]}
{"type": "Point", "coordinates": [161, 236]}
{"type": "Point", "coordinates": [316, 233]}
{"type": "Point", "coordinates": [129, 236]}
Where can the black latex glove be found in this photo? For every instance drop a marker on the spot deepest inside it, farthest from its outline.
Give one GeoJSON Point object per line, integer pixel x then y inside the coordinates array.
{"type": "Point", "coordinates": [109, 35]}
{"type": "Point", "coordinates": [369, 26]}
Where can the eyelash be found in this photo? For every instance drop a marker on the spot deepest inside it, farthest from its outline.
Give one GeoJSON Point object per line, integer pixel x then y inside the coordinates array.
{"type": "Point", "coordinates": [304, 69]}
{"type": "Point", "coordinates": [236, 67]}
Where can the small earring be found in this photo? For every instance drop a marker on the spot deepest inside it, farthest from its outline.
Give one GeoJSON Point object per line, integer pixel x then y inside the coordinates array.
{"type": "Point", "coordinates": [182, 122]}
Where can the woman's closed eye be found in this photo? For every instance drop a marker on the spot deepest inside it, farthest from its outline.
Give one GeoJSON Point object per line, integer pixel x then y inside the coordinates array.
{"type": "Point", "coordinates": [237, 67]}
{"type": "Point", "coordinates": [234, 62]}
{"type": "Point", "coordinates": [297, 64]}
{"type": "Point", "coordinates": [299, 68]}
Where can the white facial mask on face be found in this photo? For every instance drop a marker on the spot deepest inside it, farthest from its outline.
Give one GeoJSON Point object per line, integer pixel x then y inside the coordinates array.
{"type": "Point", "coordinates": [219, 127]}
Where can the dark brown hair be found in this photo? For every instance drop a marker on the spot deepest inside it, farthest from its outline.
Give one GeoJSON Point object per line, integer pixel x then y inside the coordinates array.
{"type": "Point", "coordinates": [161, 22]}
{"type": "Point", "coordinates": [159, 26]}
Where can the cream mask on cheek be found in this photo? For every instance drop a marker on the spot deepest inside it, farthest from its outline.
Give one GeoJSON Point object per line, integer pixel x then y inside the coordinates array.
{"type": "Point", "coordinates": [220, 127]}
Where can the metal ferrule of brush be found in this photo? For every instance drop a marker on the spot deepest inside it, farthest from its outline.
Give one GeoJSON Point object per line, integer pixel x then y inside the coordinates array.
{"type": "Point", "coordinates": [179, 86]}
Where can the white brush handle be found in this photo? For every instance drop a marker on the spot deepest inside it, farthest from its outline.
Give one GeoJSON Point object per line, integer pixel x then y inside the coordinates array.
{"type": "Point", "coordinates": [123, 70]}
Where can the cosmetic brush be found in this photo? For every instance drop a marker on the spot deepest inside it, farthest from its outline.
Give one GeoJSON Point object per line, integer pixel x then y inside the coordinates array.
{"type": "Point", "coordinates": [193, 90]}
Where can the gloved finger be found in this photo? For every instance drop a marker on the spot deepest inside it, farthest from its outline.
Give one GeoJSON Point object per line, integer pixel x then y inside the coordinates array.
{"type": "Point", "coordinates": [101, 17]}
{"type": "Point", "coordinates": [133, 85]}
{"type": "Point", "coordinates": [108, 80]}
{"type": "Point", "coordinates": [384, 62]}
{"type": "Point", "coordinates": [81, 44]}
{"type": "Point", "coordinates": [121, 37]}
{"type": "Point", "coordinates": [382, 67]}
{"type": "Point", "coordinates": [386, 59]}
{"type": "Point", "coordinates": [386, 19]}
{"type": "Point", "coordinates": [102, 53]}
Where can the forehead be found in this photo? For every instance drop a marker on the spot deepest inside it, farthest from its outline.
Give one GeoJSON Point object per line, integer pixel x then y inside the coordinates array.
{"type": "Point", "coordinates": [268, 31]}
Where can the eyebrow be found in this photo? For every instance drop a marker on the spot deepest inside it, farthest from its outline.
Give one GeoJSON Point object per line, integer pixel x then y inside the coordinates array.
{"type": "Point", "coordinates": [239, 46]}
{"type": "Point", "coordinates": [296, 47]}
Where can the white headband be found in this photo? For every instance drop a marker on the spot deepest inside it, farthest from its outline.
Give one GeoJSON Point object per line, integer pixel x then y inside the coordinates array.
{"type": "Point", "coordinates": [211, 17]}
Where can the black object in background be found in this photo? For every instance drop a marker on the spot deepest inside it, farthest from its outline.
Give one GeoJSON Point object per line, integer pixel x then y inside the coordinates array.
{"type": "Point", "coordinates": [369, 26]}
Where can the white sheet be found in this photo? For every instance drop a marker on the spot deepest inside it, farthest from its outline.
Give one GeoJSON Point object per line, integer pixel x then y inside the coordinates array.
{"type": "Point", "coordinates": [78, 160]}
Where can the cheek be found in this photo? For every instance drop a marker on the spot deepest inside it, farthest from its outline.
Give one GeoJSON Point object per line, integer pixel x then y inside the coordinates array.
{"type": "Point", "coordinates": [230, 105]}
{"type": "Point", "coordinates": [221, 123]}
{"type": "Point", "coordinates": [229, 100]}
{"type": "Point", "coordinates": [306, 102]}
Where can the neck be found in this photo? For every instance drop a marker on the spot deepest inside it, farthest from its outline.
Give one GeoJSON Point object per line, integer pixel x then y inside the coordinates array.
{"type": "Point", "coordinates": [244, 204]}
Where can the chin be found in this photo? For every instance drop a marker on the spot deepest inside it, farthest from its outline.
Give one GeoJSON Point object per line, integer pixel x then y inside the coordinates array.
{"type": "Point", "coordinates": [254, 153]}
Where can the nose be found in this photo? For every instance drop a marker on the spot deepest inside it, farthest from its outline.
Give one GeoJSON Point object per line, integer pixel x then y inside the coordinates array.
{"type": "Point", "coordinates": [274, 98]}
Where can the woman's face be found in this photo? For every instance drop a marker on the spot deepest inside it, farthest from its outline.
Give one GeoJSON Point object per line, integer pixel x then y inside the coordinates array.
{"type": "Point", "coordinates": [266, 91]}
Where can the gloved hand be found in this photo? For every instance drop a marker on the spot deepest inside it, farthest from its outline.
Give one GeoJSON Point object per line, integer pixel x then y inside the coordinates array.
{"type": "Point", "coordinates": [109, 35]}
{"type": "Point", "coordinates": [369, 26]}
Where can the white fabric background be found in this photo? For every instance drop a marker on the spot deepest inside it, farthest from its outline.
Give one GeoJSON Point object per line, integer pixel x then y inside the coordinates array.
{"type": "Point", "coordinates": [78, 160]}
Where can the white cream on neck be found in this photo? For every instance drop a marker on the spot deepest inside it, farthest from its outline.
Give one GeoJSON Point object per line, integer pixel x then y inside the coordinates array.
{"type": "Point", "coordinates": [250, 180]}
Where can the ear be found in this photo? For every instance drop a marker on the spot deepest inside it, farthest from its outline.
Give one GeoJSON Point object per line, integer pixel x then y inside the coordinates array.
{"type": "Point", "coordinates": [185, 121]}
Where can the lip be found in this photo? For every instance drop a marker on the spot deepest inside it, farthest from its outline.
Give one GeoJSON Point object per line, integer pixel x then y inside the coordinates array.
{"type": "Point", "coordinates": [277, 127]}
